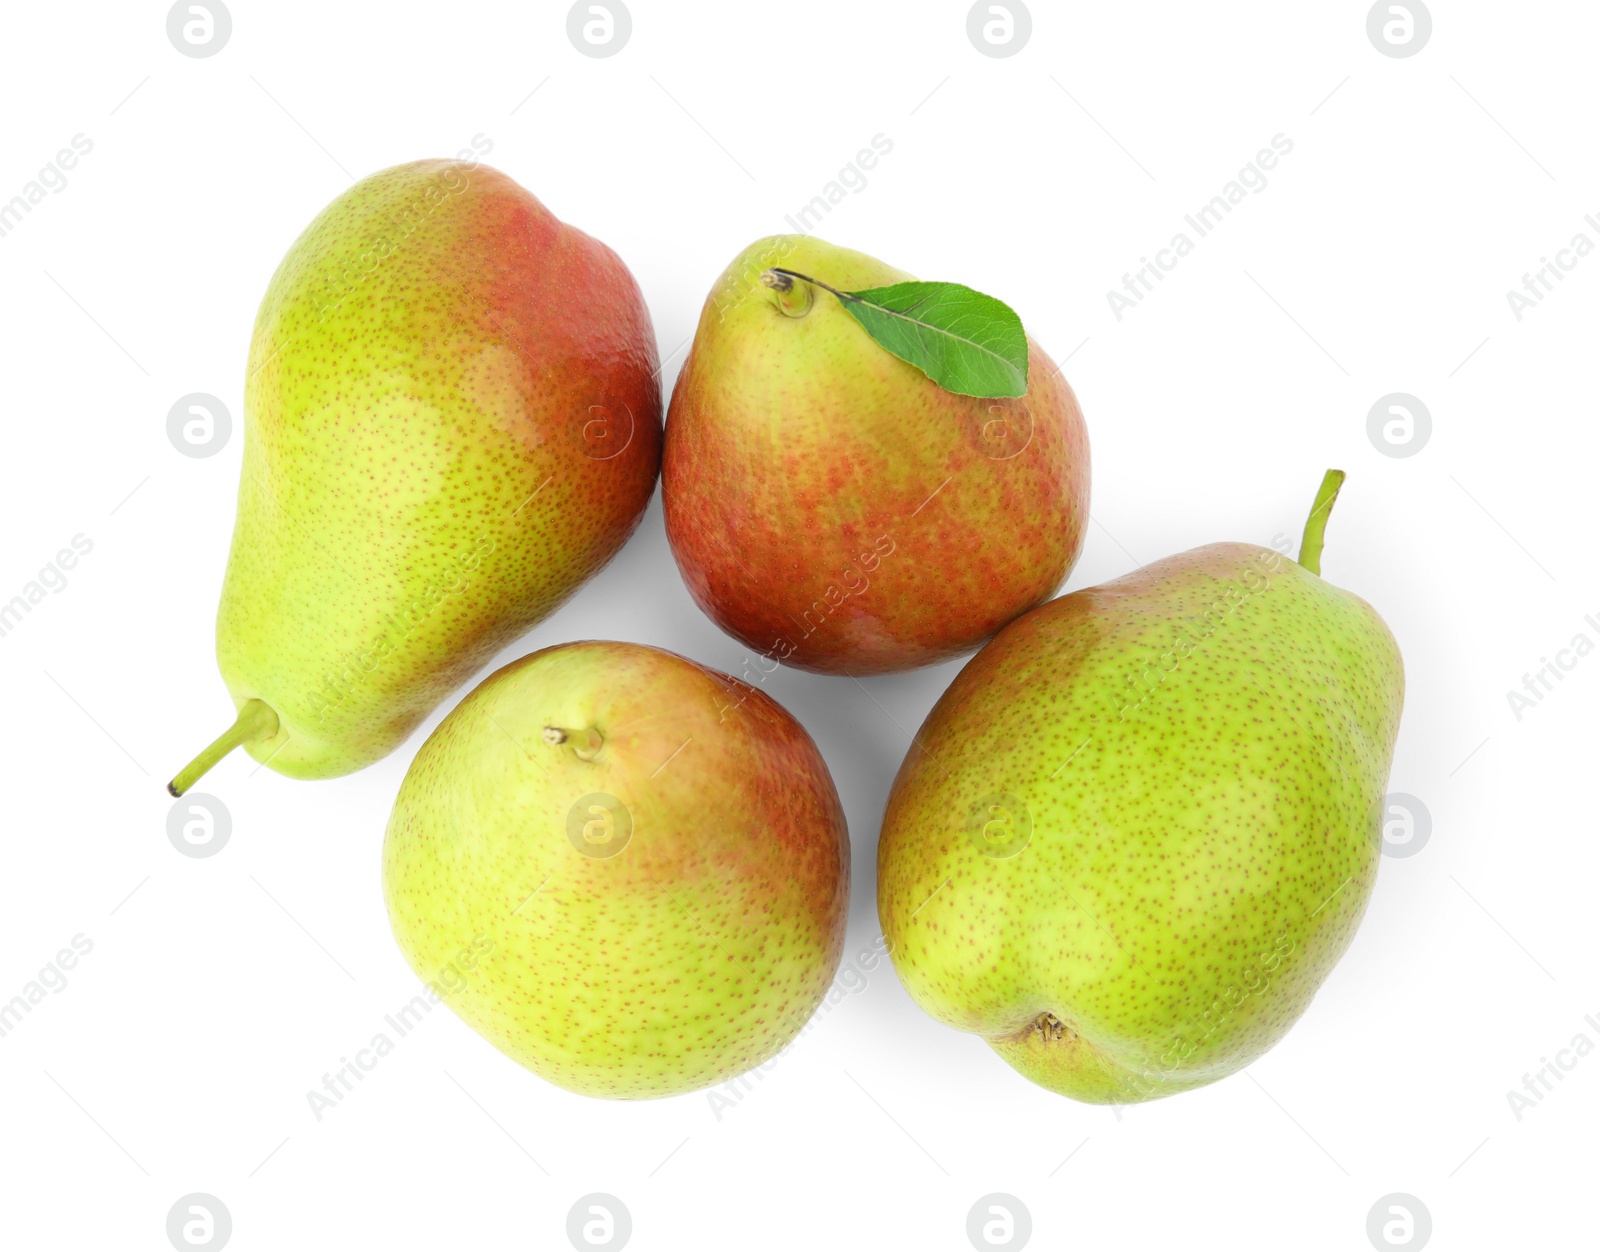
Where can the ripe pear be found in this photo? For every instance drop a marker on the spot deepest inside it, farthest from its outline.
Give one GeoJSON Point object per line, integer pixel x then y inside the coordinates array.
{"type": "Point", "coordinates": [1141, 826]}
{"type": "Point", "coordinates": [452, 420]}
{"type": "Point", "coordinates": [835, 509]}
{"type": "Point", "coordinates": [627, 872]}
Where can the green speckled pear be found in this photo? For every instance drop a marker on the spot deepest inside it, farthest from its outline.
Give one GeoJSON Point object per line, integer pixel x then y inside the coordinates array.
{"type": "Point", "coordinates": [626, 871]}
{"type": "Point", "coordinates": [452, 419]}
{"type": "Point", "coordinates": [1141, 826]}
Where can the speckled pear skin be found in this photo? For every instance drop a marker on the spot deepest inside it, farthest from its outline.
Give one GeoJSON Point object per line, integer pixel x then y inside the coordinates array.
{"type": "Point", "coordinates": [1202, 748]}
{"type": "Point", "coordinates": [691, 955]}
{"type": "Point", "coordinates": [832, 507]}
{"type": "Point", "coordinates": [452, 419]}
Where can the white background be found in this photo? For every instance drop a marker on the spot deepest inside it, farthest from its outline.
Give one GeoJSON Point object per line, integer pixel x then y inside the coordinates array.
{"type": "Point", "coordinates": [178, 1057]}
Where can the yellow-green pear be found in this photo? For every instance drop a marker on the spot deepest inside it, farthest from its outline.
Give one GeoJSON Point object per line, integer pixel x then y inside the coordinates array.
{"type": "Point", "coordinates": [1141, 826]}
{"type": "Point", "coordinates": [626, 871]}
{"type": "Point", "coordinates": [452, 419]}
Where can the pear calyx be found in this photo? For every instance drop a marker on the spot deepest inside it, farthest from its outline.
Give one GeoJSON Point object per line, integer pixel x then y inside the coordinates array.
{"type": "Point", "coordinates": [1050, 1027]}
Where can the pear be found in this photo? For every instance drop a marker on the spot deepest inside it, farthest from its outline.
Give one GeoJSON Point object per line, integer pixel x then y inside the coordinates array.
{"type": "Point", "coordinates": [1141, 826]}
{"type": "Point", "coordinates": [452, 419]}
{"type": "Point", "coordinates": [832, 507]}
{"type": "Point", "coordinates": [627, 872]}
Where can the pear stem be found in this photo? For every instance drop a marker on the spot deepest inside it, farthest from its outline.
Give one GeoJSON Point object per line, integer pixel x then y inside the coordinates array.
{"type": "Point", "coordinates": [1311, 540]}
{"type": "Point", "coordinates": [782, 280]}
{"type": "Point", "coordinates": [256, 720]}
{"type": "Point", "coordinates": [794, 300]}
{"type": "Point", "coordinates": [586, 743]}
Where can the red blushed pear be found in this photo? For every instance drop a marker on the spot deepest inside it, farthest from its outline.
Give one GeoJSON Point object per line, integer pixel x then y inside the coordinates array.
{"type": "Point", "coordinates": [452, 420]}
{"type": "Point", "coordinates": [627, 872]}
{"type": "Point", "coordinates": [833, 507]}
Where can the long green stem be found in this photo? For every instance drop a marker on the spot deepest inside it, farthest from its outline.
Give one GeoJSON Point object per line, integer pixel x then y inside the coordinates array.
{"type": "Point", "coordinates": [256, 720]}
{"type": "Point", "coordinates": [1311, 541]}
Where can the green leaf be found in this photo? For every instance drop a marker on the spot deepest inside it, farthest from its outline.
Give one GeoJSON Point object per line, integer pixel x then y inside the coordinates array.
{"type": "Point", "coordinates": [967, 342]}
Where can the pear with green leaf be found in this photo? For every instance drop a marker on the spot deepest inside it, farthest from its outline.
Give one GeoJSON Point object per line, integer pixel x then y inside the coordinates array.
{"type": "Point", "coordinates": [864, 473]}
{"type": "Point", "coordinates": [1139, 829]}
